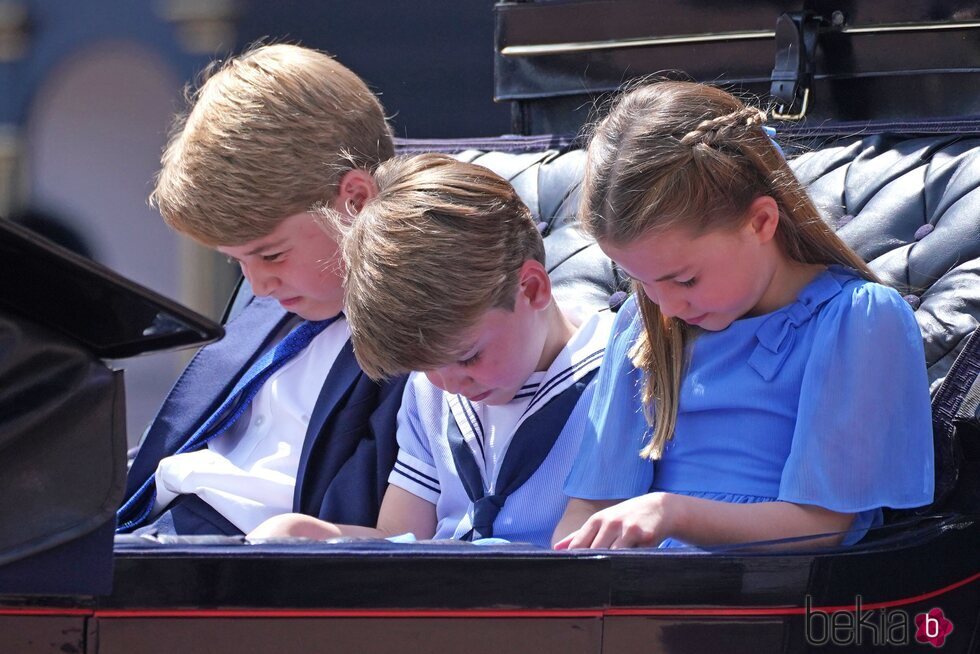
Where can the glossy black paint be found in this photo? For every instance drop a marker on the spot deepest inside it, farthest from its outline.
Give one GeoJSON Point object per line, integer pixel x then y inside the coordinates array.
{"type": "Point", "coordinates": [859, 74]}
{"type": "Point", "coordinates": [78, 567]}
{"type": "Point", "coordinates": [352, 576]}
{"type": "Point", "coordinates": [222, 595]}
{"type": "Point", "coordinates": [938, 553]}
{"type": "Point", "coordinates": [932, 556]}
{"type": "Point", "coordinates": [58, 289]}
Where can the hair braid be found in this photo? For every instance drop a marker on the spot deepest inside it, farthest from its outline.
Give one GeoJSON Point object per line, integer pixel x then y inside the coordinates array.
{"type": "Point", "coordinates": [716, 129]}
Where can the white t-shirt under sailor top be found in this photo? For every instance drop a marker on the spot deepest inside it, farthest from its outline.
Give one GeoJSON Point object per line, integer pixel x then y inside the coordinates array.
{"type": "Point", "coordinates": [425, 465]}
{"type": "Point", "coordinates": [248, 474]}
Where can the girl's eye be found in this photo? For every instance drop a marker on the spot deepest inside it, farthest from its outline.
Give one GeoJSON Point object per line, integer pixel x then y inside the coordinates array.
{"type": "Point", "coordinates": [469, 362]}
{"type": "Point", "coordinates": [272, 258]}
{"type": "Point", "coordinates": [689, 282]}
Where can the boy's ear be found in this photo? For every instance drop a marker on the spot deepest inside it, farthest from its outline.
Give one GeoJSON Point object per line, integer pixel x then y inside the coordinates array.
{"type": "Point", "coordinates": [355, 188]}
{"type": "Point", "coordinates": [762, 218]}
{"type": "Point", "coordinates": [534, 284]}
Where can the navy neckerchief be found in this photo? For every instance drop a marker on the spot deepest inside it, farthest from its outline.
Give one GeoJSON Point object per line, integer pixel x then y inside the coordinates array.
{"type": "Point", "coordinates": [528, 449]}
{"type": "Point", "coordinates": [139, 506]}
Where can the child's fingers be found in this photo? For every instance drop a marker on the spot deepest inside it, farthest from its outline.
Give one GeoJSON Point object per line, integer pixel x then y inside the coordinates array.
{"type": "Point", "coordinates": [563, 543]}
{"type": "Point", "coordinates": [584, 537]}
{"type": "Point", "coordinates": [624, 541]}
{"type": "Point", "coordinates": [609, 533]}
{"type": "Point", "coordinates": [274, 527]}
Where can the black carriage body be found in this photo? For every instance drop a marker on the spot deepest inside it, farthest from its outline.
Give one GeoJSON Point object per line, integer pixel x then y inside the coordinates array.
{"type": "Point", "coordinates": [879, 185]}
{"type": "Point", "coordinates": [374, 597]}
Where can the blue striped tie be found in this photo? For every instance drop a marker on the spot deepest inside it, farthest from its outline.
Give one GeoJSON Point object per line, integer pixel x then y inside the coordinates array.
{"type": "Point", "coordinates": [228, 412]}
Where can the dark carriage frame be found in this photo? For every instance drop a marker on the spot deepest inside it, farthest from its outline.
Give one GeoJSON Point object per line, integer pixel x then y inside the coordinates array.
{"type": "Point", "coordinates": [216, 594]}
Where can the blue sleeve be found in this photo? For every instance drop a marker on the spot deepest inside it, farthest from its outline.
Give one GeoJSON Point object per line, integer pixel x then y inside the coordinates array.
{"type": "Point", "coordinates": [863, 437]}
{"type": "Point", "coordinates": [608, 465]}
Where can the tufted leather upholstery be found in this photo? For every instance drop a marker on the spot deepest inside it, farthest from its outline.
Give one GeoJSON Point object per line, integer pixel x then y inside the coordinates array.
{"type": "Point", "coordinates": [549, 183]}
{"type": "Point", "coordinates": [909, 206]}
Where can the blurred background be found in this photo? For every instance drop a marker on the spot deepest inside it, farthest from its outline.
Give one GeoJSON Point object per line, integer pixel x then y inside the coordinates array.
{"type": "Point", "coordinates": [89, 91]}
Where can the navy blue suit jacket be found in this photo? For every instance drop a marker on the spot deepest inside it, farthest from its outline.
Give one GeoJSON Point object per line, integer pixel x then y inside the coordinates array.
{"type": "Point", "coordinates": [350, 444]}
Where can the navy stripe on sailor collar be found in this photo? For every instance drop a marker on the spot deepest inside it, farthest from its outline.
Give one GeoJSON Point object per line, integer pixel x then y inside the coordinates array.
{"type": "Point", "coordinates": [467, 417]}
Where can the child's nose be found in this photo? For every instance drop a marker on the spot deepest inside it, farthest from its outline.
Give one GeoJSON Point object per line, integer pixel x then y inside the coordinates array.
{"type": "Point", "coordinates": [671, 303]}
{"type": "Point", "coordinates": [670, 309]}
{"type": "Point", "coordinates": [262, 282]}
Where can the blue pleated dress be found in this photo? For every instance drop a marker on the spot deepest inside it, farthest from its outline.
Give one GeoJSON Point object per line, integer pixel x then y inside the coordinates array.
{"type": "Point", "coordinates": [823, 402]}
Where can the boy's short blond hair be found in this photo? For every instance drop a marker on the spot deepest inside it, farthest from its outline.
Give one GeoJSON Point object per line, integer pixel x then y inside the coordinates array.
{"type": "Point", "coordinates": [443, 242]}
{"type": "Point", "coordinates": [268, 135]}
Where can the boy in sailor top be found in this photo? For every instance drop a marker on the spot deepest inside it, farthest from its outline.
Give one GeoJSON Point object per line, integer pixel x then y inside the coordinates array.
{"type": "Point", "coordinates": [445, 277]}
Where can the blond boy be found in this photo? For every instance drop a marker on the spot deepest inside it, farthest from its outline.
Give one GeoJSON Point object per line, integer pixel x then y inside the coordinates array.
{"type": "Point", "coordinates": [277, 416]}
{"type": "Point", "coordinates": [446, 276]}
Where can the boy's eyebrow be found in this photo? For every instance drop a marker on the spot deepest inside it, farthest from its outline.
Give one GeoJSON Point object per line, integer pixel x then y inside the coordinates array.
{"type": "Point", "coordinates": [265, 247]}
{"type": "Point", "coordinates": [461, 353]}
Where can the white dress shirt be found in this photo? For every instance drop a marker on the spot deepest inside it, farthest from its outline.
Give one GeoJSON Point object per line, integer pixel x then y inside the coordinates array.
{"type": "Point", "coordinates": [248, 474]}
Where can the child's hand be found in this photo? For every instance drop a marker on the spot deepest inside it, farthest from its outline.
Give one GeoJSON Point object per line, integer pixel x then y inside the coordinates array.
{"type": "Point", "coordinates": [294, 525]}
{"type": "Point", "coordinates": [638, 522]}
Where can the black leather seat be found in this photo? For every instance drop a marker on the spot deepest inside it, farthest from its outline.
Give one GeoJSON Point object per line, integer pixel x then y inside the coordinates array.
{"type": "Point", "coordinates": [549, 183]}
{"type": "Point", "coordinates": [911, 208]}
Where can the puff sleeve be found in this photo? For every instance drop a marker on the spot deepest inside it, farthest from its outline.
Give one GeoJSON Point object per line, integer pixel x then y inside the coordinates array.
{"type": "Point", "coordinates": [863, 436]}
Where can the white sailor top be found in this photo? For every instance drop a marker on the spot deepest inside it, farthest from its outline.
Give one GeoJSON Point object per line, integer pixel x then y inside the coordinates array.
{"type": "Point", "coordinates": [426, 467]}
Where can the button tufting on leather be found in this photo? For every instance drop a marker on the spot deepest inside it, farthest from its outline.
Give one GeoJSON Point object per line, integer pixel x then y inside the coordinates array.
{"type": "Point", "coordinates": [923, 231]}
{"type": "Point", "coordinates": [616, 300]}
{"type": "Point", "coordinates": [913, 300]}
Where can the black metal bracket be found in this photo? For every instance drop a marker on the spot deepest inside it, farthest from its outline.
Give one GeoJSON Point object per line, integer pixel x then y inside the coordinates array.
{"type": "Point", "coordinates": [796, 45]}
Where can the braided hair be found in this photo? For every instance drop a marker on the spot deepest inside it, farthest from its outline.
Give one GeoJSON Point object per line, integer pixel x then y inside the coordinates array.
{"type": "Point", "coordinates": [681, 154]}
{"type": "Point", "coordinates": [719, 129]}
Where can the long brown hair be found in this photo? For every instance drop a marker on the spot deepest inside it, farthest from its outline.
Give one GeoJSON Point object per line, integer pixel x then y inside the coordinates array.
{"type": "Point", "coordinates": [684, 154]}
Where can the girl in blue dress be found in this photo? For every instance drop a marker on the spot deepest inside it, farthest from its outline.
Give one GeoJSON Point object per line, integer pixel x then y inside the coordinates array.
{"type": "Point", "coordinates": [759, 385]}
